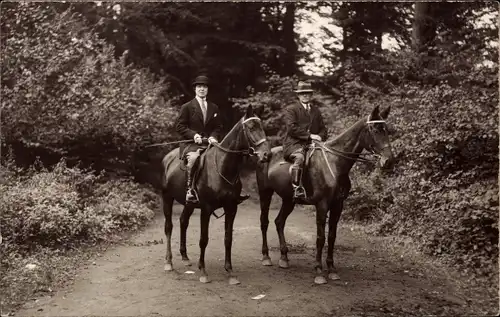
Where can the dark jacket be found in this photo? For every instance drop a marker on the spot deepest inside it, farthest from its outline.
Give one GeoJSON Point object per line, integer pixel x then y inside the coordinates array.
{"type": "Point", "coordinates": [300, 125]}
{"type": "Point", "coordinates": [190, 122]}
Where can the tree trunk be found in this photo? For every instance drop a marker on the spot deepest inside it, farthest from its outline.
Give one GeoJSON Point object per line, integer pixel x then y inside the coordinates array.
{"type": "Point", "coordinates": [289, 63]}
{"type": "Point", "coordinates": [424, 27]}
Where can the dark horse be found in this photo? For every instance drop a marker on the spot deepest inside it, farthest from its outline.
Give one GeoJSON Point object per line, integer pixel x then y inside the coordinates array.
{"type": "Point", "coordinates": [217, 185]}
{"type": "Point", "coordinates": [327, 184]}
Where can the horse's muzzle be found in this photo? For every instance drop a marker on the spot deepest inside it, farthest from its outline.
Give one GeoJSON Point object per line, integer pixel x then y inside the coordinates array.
{"type": "Point", "coordinates": [386, 160]}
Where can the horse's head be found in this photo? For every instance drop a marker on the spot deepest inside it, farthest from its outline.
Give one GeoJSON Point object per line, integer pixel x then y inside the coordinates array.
{"type": "Point", "coordinates": [376, 136]}
{"type": "Point", "coordinates": [255, 136]}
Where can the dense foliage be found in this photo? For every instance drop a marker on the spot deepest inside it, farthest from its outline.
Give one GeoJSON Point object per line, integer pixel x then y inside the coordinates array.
{"type": "Point", "coordinates": [64, 93]}
{"type": "Point", "coordinates": [443, 191]}
{"type": "Point", "coordinates": [98, 82]}
{"type": "Point", "coordinates": [46, 214]}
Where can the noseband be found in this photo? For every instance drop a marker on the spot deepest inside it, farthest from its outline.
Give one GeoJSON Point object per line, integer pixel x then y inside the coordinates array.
{"type": "Point", "coordinates": [251, 149]}
{"type": "Point", "coordinates": [371, 149]}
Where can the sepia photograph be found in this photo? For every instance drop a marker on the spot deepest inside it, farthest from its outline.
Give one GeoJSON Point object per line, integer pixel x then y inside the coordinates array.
{"type": "Point", "coordinates": [249, 158]}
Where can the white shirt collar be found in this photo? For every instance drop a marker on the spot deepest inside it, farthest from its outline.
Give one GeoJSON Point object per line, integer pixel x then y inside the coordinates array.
{"type": "Point", "coordinates": [200, 99]}
{"type": "Point", "coordinates": [307, 107]}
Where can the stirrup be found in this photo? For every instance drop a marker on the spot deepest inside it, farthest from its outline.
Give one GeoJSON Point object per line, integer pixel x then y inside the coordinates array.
{"type": "Point", "coordinates": [192, 196]}
{"type": "Point", "coordinates": [299, 192]}
{"type": "Point", "coordinates": [242, 198]}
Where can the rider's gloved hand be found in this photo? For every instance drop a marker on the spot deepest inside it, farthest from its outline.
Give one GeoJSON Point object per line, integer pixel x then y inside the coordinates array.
{"type": "Point", "coordinates": [212, 140]}
{"type": "Point", "coordinates": [197, 139]}
{"type": "Point", "coordinates": [315, 137]}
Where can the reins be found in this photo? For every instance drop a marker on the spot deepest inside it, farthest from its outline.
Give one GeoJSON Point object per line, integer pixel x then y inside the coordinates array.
{"type": "Point", "coordinates": [316, 145]}
{"type": "Point", "coordinates": [245, 152]}
{"type": "Point", "coordinates": [250, 151]}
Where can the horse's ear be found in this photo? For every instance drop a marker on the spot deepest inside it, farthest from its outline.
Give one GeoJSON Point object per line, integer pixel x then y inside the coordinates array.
{"type": "Point", "coordinates": [385, 113]}
{"type": "Point", "coordinates": [249, 112]}
{"type": "Point", "coordinates": [375, 114]}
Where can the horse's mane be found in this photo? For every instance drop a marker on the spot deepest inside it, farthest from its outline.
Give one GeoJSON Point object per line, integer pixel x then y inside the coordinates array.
{"type": "Point", "coordinates": [347, 133]}
{"type": "Point", "coordinates": [236, 126]}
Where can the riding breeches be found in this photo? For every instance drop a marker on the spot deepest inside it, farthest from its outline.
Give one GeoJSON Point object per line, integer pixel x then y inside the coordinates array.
{"type": "Point", "coordinates": [191, 158]}
{"type": "Point", "coordinates": [298, 158]}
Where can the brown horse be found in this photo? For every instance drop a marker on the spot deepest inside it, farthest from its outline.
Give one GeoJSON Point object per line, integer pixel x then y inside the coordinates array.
{"type": "Point", "coordinates": [217, 184]}
{"type": "Point", "coordinates": [327, 184]}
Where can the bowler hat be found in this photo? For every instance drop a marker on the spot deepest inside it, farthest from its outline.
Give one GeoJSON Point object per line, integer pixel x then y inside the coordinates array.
{"type": "Point", "coordinates": [304, 87]}
{"type": "Point", "coordinates": [200, 80]}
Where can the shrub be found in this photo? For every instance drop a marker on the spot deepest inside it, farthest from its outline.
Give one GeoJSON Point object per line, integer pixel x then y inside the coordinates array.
{"type": "Point", "coordinates": [67, 207]}
{"type": "Point", "coordinates": [442, 191]}
{"type": "Point", "coordinates": [45, 215]}
{"type": "Point", "coordinates": [446, 146]}
{"type": "Point", "coordinates": [65, 92]}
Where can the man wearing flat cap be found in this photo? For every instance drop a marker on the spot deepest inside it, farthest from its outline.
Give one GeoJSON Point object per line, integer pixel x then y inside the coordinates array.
{"type": "Point", "coordinates": [198, 119]}
{"type": "Point", "coordinates": [304, 123]}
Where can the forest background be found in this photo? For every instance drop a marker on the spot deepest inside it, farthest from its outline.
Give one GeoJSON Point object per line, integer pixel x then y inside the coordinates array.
{"type": "Point", "coordinates": [87, 86]}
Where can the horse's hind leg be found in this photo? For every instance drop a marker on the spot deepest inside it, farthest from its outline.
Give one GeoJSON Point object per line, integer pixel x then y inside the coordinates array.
{"type": "Point", "coordinates": [230, 211]}
{"type": "Point", "coordinates": [166, 204]}
{"type": "Point", "coordinates": [265, 201]}
{"type": "Point", "coordinates": [204, 221]}
{"type": "Point", "coordinates": [335, 212]}
{"type": "Point", "coordinates": [285, 211]}
{"type": "Point", "coordinates": [184, 223]}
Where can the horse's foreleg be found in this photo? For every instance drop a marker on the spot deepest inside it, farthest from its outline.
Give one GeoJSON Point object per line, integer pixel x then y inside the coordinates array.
{"type": "Point", "coordinates": [230, 211]}
{"type": "Point", "coordinates": [321, 213]}
{"type": "Point", "coordinates": [204, 221]}
{"type": "Point", "coordinates": [265, 197]}
{"type": "Point", "coordinates": [285, 211]}
{"type": "Point", "coordinates": [166, 205]}
{"type": "Point", "coordinates": [184, 223]}
{"type": "Point", "coordinates": [335, 212]}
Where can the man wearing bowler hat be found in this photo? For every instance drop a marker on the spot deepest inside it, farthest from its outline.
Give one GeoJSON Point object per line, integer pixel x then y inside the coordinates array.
{"type": "Point", "coordinates": [198, 119]}
{"type": "Point", "coordinates": [304, 123]}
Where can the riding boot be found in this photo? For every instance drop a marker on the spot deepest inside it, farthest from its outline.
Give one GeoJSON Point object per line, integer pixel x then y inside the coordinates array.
{"type": "Point", "coordinates": [299, 191]}
{"type": "Point", "coordinates": [191, 196]}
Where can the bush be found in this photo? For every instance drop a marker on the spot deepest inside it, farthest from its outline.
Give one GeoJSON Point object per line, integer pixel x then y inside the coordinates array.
{"type": "Point", "coordinates": [65, 93]}
{"type": "Point", "coordinates": [67, 207]}
{"type": "Point", "coordinates": [47, 218]}
{"type": "Point", "coordinates": [443, 189]}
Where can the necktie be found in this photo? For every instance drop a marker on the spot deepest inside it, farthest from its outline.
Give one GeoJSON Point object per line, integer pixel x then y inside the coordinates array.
{"type": "Point", "coordinates": [204, 109]}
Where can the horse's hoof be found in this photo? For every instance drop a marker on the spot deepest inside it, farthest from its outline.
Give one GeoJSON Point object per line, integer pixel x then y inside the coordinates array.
{"type": "Point", "coordinates": [320, 280]}
{"type": "Point", "coordinates": [283, 264]}
{"type": "Point", "coordinates": [267, 262]}
{"type": "Point", "coordinates": [186, 262]}
{"type": "Point", "coordinates": [204, 279]}
{"type": "Point", "coordinates": [168, 267]}
{"type": "Point", "coordinates": [334, 276]}
{"type": "Point", "coordinates": [233, 281]}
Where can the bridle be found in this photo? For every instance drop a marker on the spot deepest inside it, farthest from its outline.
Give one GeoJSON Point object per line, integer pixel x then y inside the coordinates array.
{"type": "Point", "coordinates": [370, 148]}
{"type": "Point", "coordinates": [316, 145]}
{"type": "Point", "coordinates": [250, 151]}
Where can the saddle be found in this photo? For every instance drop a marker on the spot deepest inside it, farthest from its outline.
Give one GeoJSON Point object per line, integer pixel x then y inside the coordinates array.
{"type": "Point", "coordinates": [309, 152]}
{"type": "Point", "coordinates": [200, 161]}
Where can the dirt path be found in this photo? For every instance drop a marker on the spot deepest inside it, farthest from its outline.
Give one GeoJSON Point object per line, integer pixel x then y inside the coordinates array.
{"type": "Point", "coordinates": [129, 279]}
